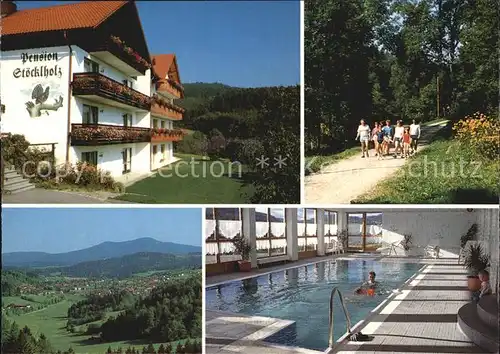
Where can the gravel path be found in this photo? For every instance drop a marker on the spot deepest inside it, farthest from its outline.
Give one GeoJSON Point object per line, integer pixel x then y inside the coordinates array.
{"type": "Point", "coordinates": [345, 180]}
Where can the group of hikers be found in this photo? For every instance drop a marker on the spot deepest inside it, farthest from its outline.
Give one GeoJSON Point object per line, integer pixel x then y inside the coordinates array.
{"type": "Point", "coordinates": [384, 135]}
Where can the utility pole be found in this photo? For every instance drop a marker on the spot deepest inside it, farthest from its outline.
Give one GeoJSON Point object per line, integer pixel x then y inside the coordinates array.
{"type": "Point", "coordinates": [437, 96]}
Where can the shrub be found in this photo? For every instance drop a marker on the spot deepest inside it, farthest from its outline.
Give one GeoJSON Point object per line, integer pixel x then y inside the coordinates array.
{"type": "Point", "coordinates": [32, 162]}
{"type": "Point", "coordinates": [481, 133]}
{"type": "Point", "coordinates": [196, 143]}
{"type": "Point", "coordinates": [216, 144]}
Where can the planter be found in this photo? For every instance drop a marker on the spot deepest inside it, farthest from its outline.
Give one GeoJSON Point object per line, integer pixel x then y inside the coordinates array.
{"type": "Point", "coordinates": [244, 266]}
{"type": "Point", "coordinates": [473, 283]}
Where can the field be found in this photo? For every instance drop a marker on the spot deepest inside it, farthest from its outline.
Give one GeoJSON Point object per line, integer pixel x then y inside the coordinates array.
{"type": "Point", "coordinates": [52, 321]}
{"type": "Point", "coordinates": [193, 180]}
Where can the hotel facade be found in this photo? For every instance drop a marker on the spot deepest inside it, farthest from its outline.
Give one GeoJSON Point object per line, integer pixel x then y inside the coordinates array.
{"type": "Point", "coordinates": [76, 78]}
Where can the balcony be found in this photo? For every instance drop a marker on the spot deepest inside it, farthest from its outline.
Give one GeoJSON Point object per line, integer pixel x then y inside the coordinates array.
{"type": "Point", "coordinates": [172, 88]}
{"type": "Point", "coordinates": [116, 53]}
{"type": "Point", "coordinates": [102, 89]}
{"type": "Point", "coordinates": [162, 135]}
{"type": "Point", "coordinates": [164, 109]}
{"type": "Point", "coordinates": [105, 134]}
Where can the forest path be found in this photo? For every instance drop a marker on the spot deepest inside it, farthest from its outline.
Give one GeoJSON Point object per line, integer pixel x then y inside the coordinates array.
{"type": "Point", "coordinates": [345, 180]}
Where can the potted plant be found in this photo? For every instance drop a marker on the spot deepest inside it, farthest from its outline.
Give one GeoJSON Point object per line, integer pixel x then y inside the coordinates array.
{"type": "Point", "coordinates": [475, 260]}
{"type": "Point", "coordinates": [342, 238]}
{"type": "Point", "coordinates": [243, 248]}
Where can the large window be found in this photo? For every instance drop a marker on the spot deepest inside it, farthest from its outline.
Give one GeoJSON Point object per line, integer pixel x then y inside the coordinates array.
{"type": "Point", "coordinates": [330, 227]}
{"type": "Point", "coordinates": [221, 226]}
{"type": "Point", "coordinates": [90, 66]}
{"type": "Point", "coordinates": [90, 157]}
{"type": "Point", "coordinates": [307, 229]}
{"type": "Point", "coordinates": [364, 230]}
{"type": "Point", "coordinates": [90, 114]}
{"type": "Point", "coordinates": [270, 229]}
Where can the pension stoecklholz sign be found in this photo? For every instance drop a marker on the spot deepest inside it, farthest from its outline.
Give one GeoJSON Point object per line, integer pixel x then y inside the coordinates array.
{"type": "Point", "coordinates": [41, 70]}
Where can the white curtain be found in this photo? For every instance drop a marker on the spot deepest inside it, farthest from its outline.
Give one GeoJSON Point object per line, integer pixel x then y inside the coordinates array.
{"type": "Point", "coordinates": [301, 229]}
{"type": "Point", "coordinates": [301, 241]}
{"type": "Point", "coordinates": [332, 228]}
{"type": "Point", "coordinates": [261, 228]}
{"type": "Point", "coordinates": [374, 229]}
{"type": "Point", "coordinates": [278, 229]}
{"type": "Point", "coordinates": [262, 244]}
{"type": "Point", "coordinates": [311, 229]}
{"type": "Point", "coordinates": [211, 248]}
{"type": "Point", "coordinates": [209, 228]}
{"type": "Point", "coordinates": [312, 241]}
{"type": "Point", "coordinates": [226, 247]}
{"type": "Point", "coordinates": [229, 228]}
{"type": "Point", "coordinates": [278, 243]}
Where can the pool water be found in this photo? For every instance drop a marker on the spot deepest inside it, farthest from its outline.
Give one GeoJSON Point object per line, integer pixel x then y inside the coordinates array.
{"type": "Point", "coordinates": [302, 295]}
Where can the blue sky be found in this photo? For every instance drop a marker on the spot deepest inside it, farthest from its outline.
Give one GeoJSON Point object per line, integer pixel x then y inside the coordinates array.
{"type": "Point", "coordinates": [56, 230]}
{"type": "Point", "coordinates": [238, 43]}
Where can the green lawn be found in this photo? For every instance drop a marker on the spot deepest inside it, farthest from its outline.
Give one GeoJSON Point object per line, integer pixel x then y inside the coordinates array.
{"type": "Point", "coordinates": [52, 321]}
{"type": "Point", "coordinates": [462, 178]}
{"type": "Point", "coordinates": [316, 162]}
{"type": "Point", "coordinates": [193, 181]}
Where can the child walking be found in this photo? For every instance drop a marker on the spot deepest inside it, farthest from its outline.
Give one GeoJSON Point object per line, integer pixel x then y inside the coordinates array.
{"type": "Point", "coordinates": [406, 143]}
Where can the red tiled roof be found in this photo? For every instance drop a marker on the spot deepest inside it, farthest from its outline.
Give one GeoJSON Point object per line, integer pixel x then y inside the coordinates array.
{"type": "Point", "coordinates": [88, 14]}
{"type": "Point", "coordinates": [162, 64]}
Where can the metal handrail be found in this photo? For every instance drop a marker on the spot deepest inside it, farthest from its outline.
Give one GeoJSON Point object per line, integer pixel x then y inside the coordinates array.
{"type": "Point", "coordinates": [346, 313]}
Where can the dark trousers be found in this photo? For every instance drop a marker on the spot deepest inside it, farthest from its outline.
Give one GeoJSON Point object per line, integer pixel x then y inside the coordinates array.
{"type": "Point", "coordinates": [414, 142]}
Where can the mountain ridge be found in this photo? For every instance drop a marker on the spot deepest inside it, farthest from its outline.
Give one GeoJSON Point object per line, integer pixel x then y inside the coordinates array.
{"type": "Point", "coordinates": [107, 249]}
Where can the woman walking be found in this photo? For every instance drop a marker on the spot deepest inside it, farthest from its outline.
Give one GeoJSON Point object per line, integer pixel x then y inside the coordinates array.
{"type": "Point", "coordinates": [387, 129]}
{"type": "Point", "coordinates": [375, 137]}
{"type": "Point", "coordinates": [364, 137]}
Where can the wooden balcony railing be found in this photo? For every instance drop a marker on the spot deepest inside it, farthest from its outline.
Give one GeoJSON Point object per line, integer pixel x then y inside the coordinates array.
{"type": "Point", "coordinates": [161, 135]}
{"type": "Point", "coordinates": [170, 86]}
{"type": "Point", "coordinates": [165, 109]}
{"type": "Point", "coordinates": [86, 84]}
{"type": "Point", "coordinates": [105, 134]}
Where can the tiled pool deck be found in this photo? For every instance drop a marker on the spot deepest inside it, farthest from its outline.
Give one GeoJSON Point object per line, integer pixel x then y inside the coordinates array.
{"type": "Point", "coordinates": [420, 319]}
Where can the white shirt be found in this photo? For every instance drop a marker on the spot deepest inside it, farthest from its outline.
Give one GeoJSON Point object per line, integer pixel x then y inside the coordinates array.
{"type": "Point", "coordinates": [364, 131]}
{"type": "Point", "coordinates": [398, 132]}
{"type": "Point", "coordinates": [415, 130]}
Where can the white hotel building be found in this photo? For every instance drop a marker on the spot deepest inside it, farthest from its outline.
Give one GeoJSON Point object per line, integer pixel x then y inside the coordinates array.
{"type": "Point", "coordinates": [80, 76]}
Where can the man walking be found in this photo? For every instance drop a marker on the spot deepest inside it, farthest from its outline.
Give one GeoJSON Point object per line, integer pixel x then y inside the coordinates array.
{"type": "Point", "coordinates": [415, 136]}
{"type": "Point", "coordinates": [364, 137]}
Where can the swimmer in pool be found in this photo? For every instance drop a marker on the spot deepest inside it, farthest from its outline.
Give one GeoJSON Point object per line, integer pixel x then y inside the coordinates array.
{"type": "Point", "coordinates": [368, 287]}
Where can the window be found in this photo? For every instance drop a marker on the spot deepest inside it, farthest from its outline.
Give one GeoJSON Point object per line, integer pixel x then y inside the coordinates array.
{"type": "Point", "coordinates": [221, 226]}
{"type": "Point", "coordinates": [127, 160]}
{"type": "Point", "coordinates": [90, 66]}
{"type": "Point", "coordinates": [90, 114]}
{"type": "Point", "coordinates": [307, 229]}
{"type": "Point", "coordinates": [128, 83]}
{"type": "Point", "coordinates": [330, 225]}
{"type": "Point", "coordinates": [90, 157]}
{"type": "Point", "coordinates": [162, 151]}
{"type": "Point", "coordinates": [270, 228]}
{"type": "Point", "coordinates": [155, 123]}
{"type": "Point", "coordinates": [127, 120]}
{"type": "Point", "coordinates": [364, 230]}
{"type": "Point", "coordinates": [162, 124]}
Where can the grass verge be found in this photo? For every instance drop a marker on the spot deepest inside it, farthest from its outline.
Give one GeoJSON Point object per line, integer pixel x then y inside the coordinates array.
{"type": "Point", "coordinates": [444, 173]}
{"type": "Point", "coordinates": [317, 162]}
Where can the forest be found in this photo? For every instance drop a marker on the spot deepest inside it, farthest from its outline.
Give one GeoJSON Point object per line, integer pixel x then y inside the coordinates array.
{"type": "Point", "coordinates": [170, 313]}
{"type": "Point", "coordinates": [243, 124]}
{"type": "Point", "coordinates": [396, 59]}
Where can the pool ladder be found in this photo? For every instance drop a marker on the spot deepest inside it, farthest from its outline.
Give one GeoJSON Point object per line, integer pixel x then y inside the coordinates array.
{"type": "Point", "coordinates": [331, 340]}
